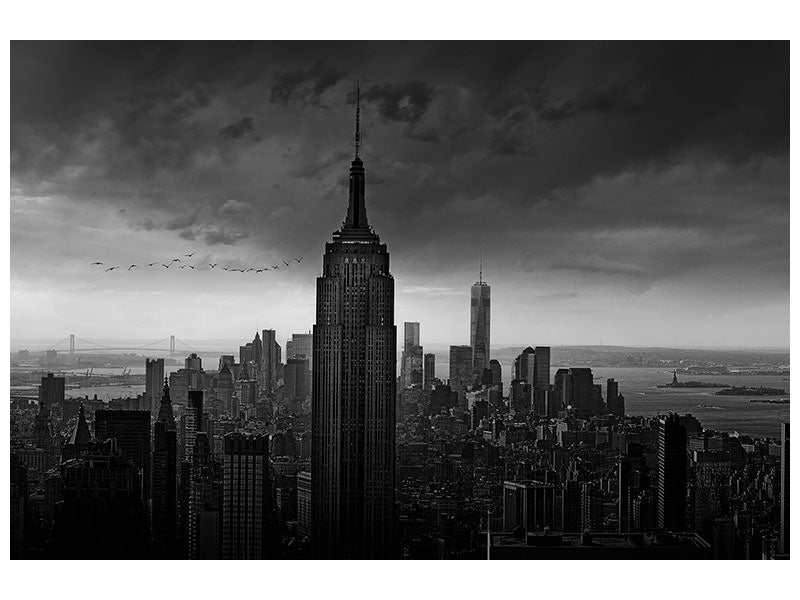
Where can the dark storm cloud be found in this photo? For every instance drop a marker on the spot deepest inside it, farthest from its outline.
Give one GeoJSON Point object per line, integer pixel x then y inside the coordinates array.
{"type": "Point", "coordinates": [404, 102]}
{"type": "Point", "coordinates": [239, 129]}
{"type": "Point", "coordinates": [601, 161]}
{"type": "Point", "coordinates": [223, 236]}
{"type": "Point", "coordinates": [306, 84]}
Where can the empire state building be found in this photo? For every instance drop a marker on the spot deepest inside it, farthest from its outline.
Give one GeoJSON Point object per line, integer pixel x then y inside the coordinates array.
{"type": "Point", "coordinates": [353, 425]}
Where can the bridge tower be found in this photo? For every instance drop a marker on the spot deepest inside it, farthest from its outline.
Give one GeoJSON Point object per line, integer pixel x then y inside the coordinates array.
{"type": "Point", "coordinates": [172, 345]}
{"type": "Point", "coordinates": [71, 344]}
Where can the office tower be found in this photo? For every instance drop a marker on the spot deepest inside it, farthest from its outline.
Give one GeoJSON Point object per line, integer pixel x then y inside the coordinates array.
{"type": "Point", "coordinates": [671, 493]}
{"type": "Point", "coordinates": [429, 371]}
{"type": "Point", "coordinates": [154, 382]}
{"type": "Point", "coordinates": [614, 400]}
{"type": "Point", "coordinates": [304, 503]}
{"type": "Point", "coordinates": [225, 386]}
{"type": "Point", "coordinates": [575, 387]}
{"type": "Point", "coordinates": [226, 359]}
{"type": "Point", "coordinates": [131, 429]}
{"type": "Point", "coordinates": [524, 366]}
{"type": "Point", "coordinates": [541, 368]}
{"type": "Point", "coordinates": [353, 398]}
{"type": "Point", "coordinates": [205, 499]}
{"type": "Point", "coordinates": [301, 344]}
{"type": "Point", "coordinates": [193, 423]}
{"type": "Point", "coordinates": [248, 393]}
{"type": "Point", "coordinates": [269, 360]}
{"type": "Point", "coordinates": [784, 534]}
{"type": "Point", "coordinates": [460, 369]}
{"type": "Point", "coordinates": [479, 324]}
{"type": "Point", "coordinates": [591, 507]}
{"type": "Point", "coordinates": [296, 379]}
{"type": "Point", "coordinates": [246, 354]}
{"type": "Point", "coordinates": [165, 474]}
{"type": "Point", "coordinates": [631, 479]}
{"type": "Point", "coordinates": [246, 496]}
{"type": "Point", "coordinates": [411, 357]}
{"type": "Point", "coordinates": [528, 504]}
{"type": "Point", "coordinates": [571, 516]}
{"type": "Point", "coordinates": [51, 391]}
{"type": "Point", "coordinates": [102, 514]}
{"type": "Point", "coordinates": [258, 350]}
{"type": "Point", "coordinates": [520, 398]}
{"type": "Point", "coordinates": [497, 373]}
{"type": "Point", "coordinates": [19, 506]}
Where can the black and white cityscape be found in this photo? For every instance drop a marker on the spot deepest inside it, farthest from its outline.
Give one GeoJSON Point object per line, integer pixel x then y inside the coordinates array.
{"type": "Point", "coordinates": [578, 350]}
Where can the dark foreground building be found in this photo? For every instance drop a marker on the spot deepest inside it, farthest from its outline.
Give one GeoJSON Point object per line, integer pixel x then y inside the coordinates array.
{"type": "Point", "coordinates": [354, 369]}
{"type": "Point", "coordinates": [599, 546]}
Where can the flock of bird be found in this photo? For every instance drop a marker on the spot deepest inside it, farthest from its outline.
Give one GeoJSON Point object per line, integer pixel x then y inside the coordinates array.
{"type": "Point", "coordinates": [186, 265]}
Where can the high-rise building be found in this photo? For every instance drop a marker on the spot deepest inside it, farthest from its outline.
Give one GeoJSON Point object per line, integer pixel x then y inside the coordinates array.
{"type": "Point", "coordinates": [497, 373]}
{"type": "Point", "coordinates": [154, 382]}
{"type": "Point", "coordinates": [429, 371]}
{"type": "Point", "coordinates": [784, 536]}
{"type": "Point", "coordinates": [411, 358]}
{"type": "Point", "coordinates": [131, 429]}
{"type": "Point", "coordinates": [574, 387]}
{"type": "Point", "coordinates": [258, 350]}
{"type": "Point", "coordinates": [614, 400]}
{"type": "Point", "coordinates": [51, 391]}
{"type": "Point", "coordinates": [530, 505]}
{"type": "Point", "coordinates": [480, 324]}
{"type": "Point", "coordinates": [225, 386]}
{"type": "Point", "coordinates": [461, 372]}
{"type": "Point", "coordinates": [246, 496]}
{"type": "Point", "coordinates": [353, 398]}
{"type": "Point", "coordinates": [524, 366]}
{"type": "Point", "coordinates": [296, 379]}
{"type": "Point", "coordinates": [541, 368]}
{"type": "Point", "coordinates": [301, 344]}
{"type": "Point", "coordinates": [269, 360]}
{"type": "Point", "coordinates": [671, 493]}
{"type": "Point", "coordinates": [102, 513]}
{"type": "Point", "coordinates": [194, 423]}
{"type": "Point", "coordinates": [165, 474]}
{"type": "Point", "coordinates": [304, 503]}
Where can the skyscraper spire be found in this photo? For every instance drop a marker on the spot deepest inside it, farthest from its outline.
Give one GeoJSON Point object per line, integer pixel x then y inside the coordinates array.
{"type": "Point", "coordinates": [480, 267]}
{"type": "Point", "coordinates": [356, 223]}
{"type": "Point", "coordinates": [358, 118]}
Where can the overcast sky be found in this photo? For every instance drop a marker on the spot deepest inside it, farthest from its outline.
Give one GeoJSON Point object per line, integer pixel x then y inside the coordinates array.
{"type": "Point", "coordinates": [621, 193]}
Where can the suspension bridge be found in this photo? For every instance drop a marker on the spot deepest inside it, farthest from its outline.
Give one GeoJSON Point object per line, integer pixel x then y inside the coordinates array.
{"type": "Point", "coordinates": [75, 344]}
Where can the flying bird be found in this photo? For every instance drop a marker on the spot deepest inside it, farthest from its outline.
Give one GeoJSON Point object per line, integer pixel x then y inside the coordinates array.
{"type": "Point", "coordinates": [212, 266]}
{"type": "Point", "coordinates": [97, 263]}
{"type": "Point", "coordinates": [165, 266]}
{"type": "Point", "coordinates": [250, 269]}
{"type": "Point", "coordinates": [259, 270]}
{"type": "Point", "coordinates": [182, 267]}
{"type": "Point", "coordinates": [275, 268]}
{"type": "Point", "coordinates": [299, 259]}
{"type": "Point", "coordinates": [131, 267]}
{"type": "Point", "coordinates": [190, 266]}
{"type": "Point", "coordinates": [226, 268]}
{"type": "Point", "coordinates": [287, 264]}
{"type": "Point", "coordinates": [151, 264]}
{"type": "Point", "coordinates": [190, 255]}
{"type": "Point", "coordinates": [111, 268]}
{"type": "Point", "coordinates": [175, 260]}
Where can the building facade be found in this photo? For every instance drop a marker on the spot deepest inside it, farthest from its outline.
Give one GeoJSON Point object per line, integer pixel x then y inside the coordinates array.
{"type": "Point", "coordinates": [353, 397]}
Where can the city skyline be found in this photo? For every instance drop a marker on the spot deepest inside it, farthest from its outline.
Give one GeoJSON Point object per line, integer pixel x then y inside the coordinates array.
{"type": "Point", "coordinates": [147, 156]}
